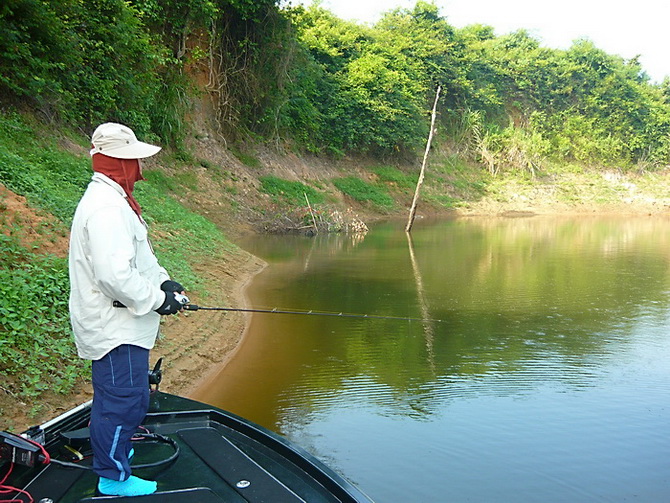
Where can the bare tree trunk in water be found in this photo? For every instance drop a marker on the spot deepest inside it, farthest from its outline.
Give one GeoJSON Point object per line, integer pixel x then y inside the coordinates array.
{"type": "Point", "coordinates": [412, 211]}
{"type": "Point", "coordinates": [311, 211]}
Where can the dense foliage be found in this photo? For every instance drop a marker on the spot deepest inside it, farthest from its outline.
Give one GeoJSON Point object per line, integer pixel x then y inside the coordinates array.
{"type": "Point", "coordinates": [81, 62]}
{"type": "Point", "coordinates": [508, 102]}
{"type": "Point", "coordinates": [303, 78]}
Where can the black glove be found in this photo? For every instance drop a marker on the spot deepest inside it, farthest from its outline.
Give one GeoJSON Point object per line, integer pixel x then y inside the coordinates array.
{"type": "Point", "coordinates": [170, 306]}
{"type": "Point", "coordinates": [171, 286]}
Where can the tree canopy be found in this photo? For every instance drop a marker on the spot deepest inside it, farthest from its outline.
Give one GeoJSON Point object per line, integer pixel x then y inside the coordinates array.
{"type": "Point", "coordinates": [303, 78]}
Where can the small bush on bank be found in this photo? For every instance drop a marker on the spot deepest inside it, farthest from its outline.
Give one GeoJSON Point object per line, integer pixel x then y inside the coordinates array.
{"type": "Point", "coordinates": [364, 192]}
{"type": "Point", "coordinates": [289, 192]}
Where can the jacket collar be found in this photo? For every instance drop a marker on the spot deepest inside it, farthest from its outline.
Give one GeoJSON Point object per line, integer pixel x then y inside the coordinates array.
{"type": "Point", "coordinates": [99, 177]}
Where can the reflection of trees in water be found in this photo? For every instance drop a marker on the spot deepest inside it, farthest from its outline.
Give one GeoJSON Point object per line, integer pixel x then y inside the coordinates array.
{"type": "Point", "coordinates": [539, 264]}
{"type": "Point", "coordinates": [526, 303]}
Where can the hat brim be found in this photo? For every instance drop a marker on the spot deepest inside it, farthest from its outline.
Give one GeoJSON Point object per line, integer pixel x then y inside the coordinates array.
{"type": "Point", "coordinates": [136, 150]}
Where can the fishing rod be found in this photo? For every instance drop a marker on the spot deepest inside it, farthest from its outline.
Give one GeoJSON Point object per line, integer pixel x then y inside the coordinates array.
{"type": "Point", "coordinates": [194, 307]}
{"type": "Point", "coordinates": [187, 306]}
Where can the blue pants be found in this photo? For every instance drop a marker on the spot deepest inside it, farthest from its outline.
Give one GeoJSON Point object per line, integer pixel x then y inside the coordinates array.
{"type": "Point", "coordinates": [120, 403]}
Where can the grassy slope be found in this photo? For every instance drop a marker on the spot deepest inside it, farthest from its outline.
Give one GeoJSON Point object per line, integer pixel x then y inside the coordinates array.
{"type": "Point", "coordinates": [51, 172]}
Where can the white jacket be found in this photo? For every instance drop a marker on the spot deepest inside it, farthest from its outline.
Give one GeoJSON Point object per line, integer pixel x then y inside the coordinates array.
{"type": "Point", "coordinates": [111, 259]}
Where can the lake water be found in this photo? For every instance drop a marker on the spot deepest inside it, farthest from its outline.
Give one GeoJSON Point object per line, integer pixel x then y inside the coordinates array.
{"type": "Point", "coordinates": [547, 378]}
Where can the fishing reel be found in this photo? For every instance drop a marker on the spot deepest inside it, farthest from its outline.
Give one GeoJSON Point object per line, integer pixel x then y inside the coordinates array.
{"type": "Point", "coordinates": [181, 298]}
{"type": "Point", "coordinates": [156, 375]}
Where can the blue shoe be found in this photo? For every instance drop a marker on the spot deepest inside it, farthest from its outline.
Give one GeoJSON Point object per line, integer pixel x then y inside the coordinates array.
{"type": "Point", "coordinates": [131, 454]}
{"type": "Point", "coordinates": [134, 486]}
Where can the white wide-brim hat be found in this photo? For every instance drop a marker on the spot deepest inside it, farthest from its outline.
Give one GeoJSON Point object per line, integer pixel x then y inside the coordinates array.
{"type": "Point", "coordinates": [119, 141]}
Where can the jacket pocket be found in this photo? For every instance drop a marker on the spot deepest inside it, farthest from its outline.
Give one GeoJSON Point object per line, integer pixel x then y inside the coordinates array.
{"type": "Point", "coordinates": [145, 260]}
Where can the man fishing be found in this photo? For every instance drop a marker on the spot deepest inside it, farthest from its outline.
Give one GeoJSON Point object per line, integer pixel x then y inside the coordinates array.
{"type": "Point", "coordinates": [110, 260]}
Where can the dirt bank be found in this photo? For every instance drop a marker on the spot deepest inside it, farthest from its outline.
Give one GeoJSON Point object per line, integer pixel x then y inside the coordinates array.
{"type": "Point", "coordinates": [195, 345]}
{"type": "Point", "coordinates": [603, 192]}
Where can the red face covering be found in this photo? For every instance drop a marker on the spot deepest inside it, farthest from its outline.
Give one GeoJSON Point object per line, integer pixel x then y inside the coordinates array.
{"type": "Point", "coordinates": [125, 172]}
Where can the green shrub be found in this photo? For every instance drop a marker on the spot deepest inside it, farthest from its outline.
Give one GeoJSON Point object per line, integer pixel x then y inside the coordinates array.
{"type": "Point", "coordinates": [36, 349]}
{"type": "Point", "coordinates": [246, 159]}
{"type": "Point", "coordinates": [364, 192]}
{"type": "Point", "coordinates": [394, 175]}
{"type": "Point", "coordinates": [87, 62]}
{"type": "Point", "coordinates": [48, 177]}
{"type": "Point", "coordinates": [290, 192]}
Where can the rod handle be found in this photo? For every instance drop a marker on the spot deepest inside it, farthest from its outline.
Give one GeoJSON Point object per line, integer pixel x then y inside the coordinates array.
{"type": "Point", "coordinates": [186, 307]}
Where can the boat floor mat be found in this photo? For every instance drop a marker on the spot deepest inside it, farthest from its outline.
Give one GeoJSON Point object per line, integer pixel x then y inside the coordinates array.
{"type": "Point", "coordinates": [241, 472]}
{"type": "Point", "coordinates": [53, 482]}
{"type": "Point", "coordinates": [196, 495]}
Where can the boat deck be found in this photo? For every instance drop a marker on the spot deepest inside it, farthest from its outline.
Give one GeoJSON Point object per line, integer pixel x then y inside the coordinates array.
{"type": "Point", "coordinates": [221, 458]}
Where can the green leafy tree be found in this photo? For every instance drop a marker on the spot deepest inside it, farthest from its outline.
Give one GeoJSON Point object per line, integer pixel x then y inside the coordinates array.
{"type": "Point", "coordinates": [81, 62]}
{"type": "Point", "coordinates": [303, 78]}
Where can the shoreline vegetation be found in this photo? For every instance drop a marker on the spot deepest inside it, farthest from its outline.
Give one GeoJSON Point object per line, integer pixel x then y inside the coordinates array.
{"type": "Point", "coordinates": [277, 118]}
{"type": "Point", "coordinates": [195, 346]}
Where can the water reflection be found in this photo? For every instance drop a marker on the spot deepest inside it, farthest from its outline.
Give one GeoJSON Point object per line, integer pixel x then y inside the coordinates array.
{"type": "Point", "coordinates": [527, 298]}
{"type": "Point", "coordinates": [536, 312]}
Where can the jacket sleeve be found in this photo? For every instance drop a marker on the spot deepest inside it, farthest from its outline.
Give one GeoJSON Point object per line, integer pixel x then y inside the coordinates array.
{"type": "Point", "coordinates": [119, 272]}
